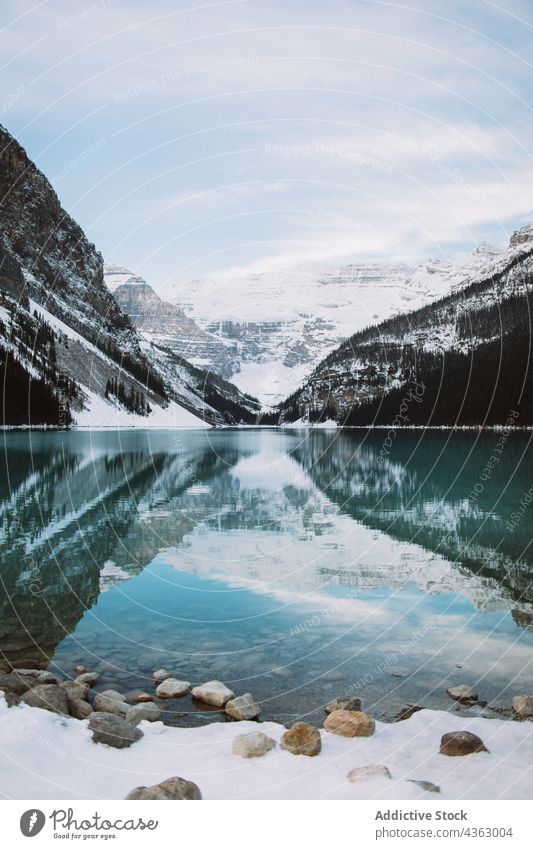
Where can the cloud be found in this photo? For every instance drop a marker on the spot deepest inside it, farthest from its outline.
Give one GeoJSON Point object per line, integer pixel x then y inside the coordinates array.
{"type": "Point", "coordinates": [413, 122]}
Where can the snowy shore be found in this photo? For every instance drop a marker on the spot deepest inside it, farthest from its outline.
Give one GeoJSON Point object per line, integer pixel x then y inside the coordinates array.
{"type": "Point", "coordinates": [47, 756]}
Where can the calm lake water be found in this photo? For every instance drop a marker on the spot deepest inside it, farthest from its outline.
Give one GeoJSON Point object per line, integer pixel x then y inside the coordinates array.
{"type": "Point", "coordinates": [296, 565]}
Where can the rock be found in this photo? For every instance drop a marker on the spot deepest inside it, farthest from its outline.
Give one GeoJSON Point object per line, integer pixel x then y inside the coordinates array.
{"type": "Point", "coordinates": [523, 705]}
{"type": "Point", "coordinates": [407, 712]}
{"type": "Point", "coordinates": [161, 675]}
{"type": "Point", "coordinates": [16, 683]}
{"type": "Point", "coordinates": [243, 707]}
{"type": "Point", "coordinates": [147, 711]}
{"type": "Point", "coordinates": [363, 773]}
{"type": "Point", "coordinates": [42, 676]}
{"type": "Point", "coordinates": [11, 699]}
{"type": "Point", "coordinates": [48, 697]}
{"type": "Point", "coordinates": [140, 698]}
{"type": "Point", "coordinates": [457, 743]}
{"type": "Point", "coordinates": [80, 670]}
{"type": "Point", "coordinates": [170, 788]}
{"type": "Point", "coordinates": [171, 688]}
{"type": "Point", "coordinates": [349, 723]}
{"type": "Point", "coordinates": [75, 690]}
{"type": "Point", "coordinates": [79, 709]}
{"type": "Point", "coordinates": [90, 678]}
{"type": "Point", "coordinates": [428, 786]}
{"type": "Point", "coordinates": [213, 693]}
{"type": "Point", "coordinates": [113, 730]}
{"type": "Point", "coordinates": [110, 701]}
{"type": "Point", "coordinates": [462, 693]}
{"type": "Point", "coordinates": [302, 739]}
{"type": "Point", "coordinates": [343, 704]}
{"type": "Point", "coordinates": [253, 745]}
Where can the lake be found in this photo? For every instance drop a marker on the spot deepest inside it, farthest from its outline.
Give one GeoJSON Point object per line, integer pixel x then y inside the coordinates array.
{"type": "Point", "coordinates": [297, 565]}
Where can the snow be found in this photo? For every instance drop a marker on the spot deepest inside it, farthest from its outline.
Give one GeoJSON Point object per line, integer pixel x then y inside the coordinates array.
{"type": "Point", "coordinates": [101, 413]}
{"type": "Point", "coordinates": [45, 756]}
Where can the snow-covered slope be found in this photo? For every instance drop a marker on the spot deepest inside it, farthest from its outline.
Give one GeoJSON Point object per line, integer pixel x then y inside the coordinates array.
{"type": "Point", "coordinates": [467, 354]}
{"type": "Point", "coordinates": [72, 356]}
{"type": "Point", "coordinates": [283, 324]}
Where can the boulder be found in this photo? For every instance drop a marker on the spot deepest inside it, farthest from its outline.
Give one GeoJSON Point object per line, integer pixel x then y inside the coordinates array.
{"type": "Point", "coordinates": [80, 669]}
{"type": "Point", "coordinates": [161, 675]}
{"type": "Point", "coordinates": [42, 676]}
{"type": "Point", "coordinates": [213, 693]}
{"type": "Point", "coordinates": [253, 745]}
{"type": "Point", "coordinates": [523, 705]}
{"type": "Point", "coordinates": [90, 678]}
{"type": "Point", "coordinates": [350, 723]}
{"type": "Point", "coordinates": [243, 707]}
{"type": "Point", "coordinates": [462, 693]}
{"type": "Point", "coordinates": [343, 704]}
{"type": "Point", "coordinates": [75, 690]}
{"type": "Point", "coordinates": [48, 697]}
{"type": "Point", "coordinates": [171, 688]}
{"type": "Point", "coordinates": [16, 683]}
{"type": "Point", "coordinates": [112, 730]}
{"type": "Point", "coordinates": [363, 773]}
{"type": "Point", "coordinates": [170, 788]}
{"type": "Point", "coordinates": [302, 739]}
{"type": "Point", "coordinates": [138, 713]}
{"type": "Point", "coordinates": [110, 701]}
{"type": "Point", "coordinates": [458, 743]}
{"type": "Point", "coordinates": [79, 709]}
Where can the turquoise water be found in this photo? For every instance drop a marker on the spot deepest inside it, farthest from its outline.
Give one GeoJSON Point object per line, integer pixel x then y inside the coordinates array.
{"type": "Point", "coordinates": [296, 565]}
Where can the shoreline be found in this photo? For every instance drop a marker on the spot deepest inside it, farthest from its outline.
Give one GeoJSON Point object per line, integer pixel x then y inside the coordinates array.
{"type": "Point", "coordinates": [404, 428]}
{"type": "Point", "coordinates": [51, 757]}
{"type": "Point", "coordinates": [64, 739]}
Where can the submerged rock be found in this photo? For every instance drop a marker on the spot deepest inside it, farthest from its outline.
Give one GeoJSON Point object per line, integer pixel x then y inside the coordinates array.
{"type": "Point", "coordinates": [462, 693]}
{"type": "Point", "coordinates": [302, 739]}
{"type": "Point", "coordinates": [253, 745]}
{"type": "Point", "coordinates": [363, 773]}
{"type": "Point", "coordinates": [243, 707]}
{"type": "Point", "coordinates": [141, 698]}
{"type": "Point", "coordinates": [161, 675]}
{"type": "Point", "coordinates": [170, 788]}
{"type": "Point", "coordinates": [350, 723]}
{"type": "Point", "coordinates": [523, 705]}
{"type": "Point", "coordinates": [112, 730]}
{"type": "Point", "coordinates": [213, 693]}
{"type": "Point", "coordinates": [458, 743]}
{"type": "Point", "coordinates": [343, 704]}
{"type": "Point", "coordinates": [48, 697]}
{"type": "Point", "coordinates": [171, 688]}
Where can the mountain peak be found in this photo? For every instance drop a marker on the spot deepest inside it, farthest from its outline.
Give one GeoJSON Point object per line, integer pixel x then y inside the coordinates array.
{"type": "Point", "coordinates": [520, 237]}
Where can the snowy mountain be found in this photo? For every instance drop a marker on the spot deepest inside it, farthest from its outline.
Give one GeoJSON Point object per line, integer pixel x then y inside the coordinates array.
{"type": "Point", "coordinates": [280, 325]}
{"type": "Point", "coordinates": [68, 354]}
{"type": "Point", "coordinates": [166, 325]}
{"type": "Point", "coordinates": [463, 359]}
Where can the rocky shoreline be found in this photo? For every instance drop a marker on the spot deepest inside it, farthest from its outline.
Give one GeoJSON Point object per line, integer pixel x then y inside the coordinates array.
{"type": "Point", "coordinates": [119, 720]}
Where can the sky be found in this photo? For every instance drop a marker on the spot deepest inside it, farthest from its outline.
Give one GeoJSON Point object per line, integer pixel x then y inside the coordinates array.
{"type": "Point", "coordinates": [193, 139]}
